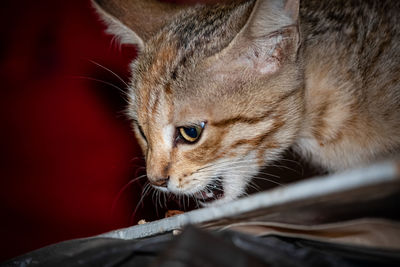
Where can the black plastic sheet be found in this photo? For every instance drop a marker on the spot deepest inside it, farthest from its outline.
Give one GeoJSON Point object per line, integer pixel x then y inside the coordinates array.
{"type": "Point", "coordinates": [196, 247]}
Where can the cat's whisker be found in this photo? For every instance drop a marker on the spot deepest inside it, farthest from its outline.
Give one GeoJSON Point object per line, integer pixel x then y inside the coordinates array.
{"type": "Point", "coordinates": [184, 202]}
{"type": "Point", "coordinates": [152, 196]}
{"type": "Point", "coordinates": [159, 198]}
{"type": "Point", "coordinates": [261, 178]}
{"type": "Point", "coordinates": [120, 192]}
{"type": "Point", "coordinates": [124, 94]}
{"type": "Point", "coordinates": [298, 163]}
{"type": "Point", "coordinates": [113, 42]}
{"type": "Point", "coordinates": [158, 195]}
{"type": "Point", "coordinates": [238, 169]}
{"type": "Point", "coordinates": [229, 162]}
{"type": "Point", "coordinates": [231, 166]}
{"type": "Point", "coordinates": [180, 200]}
{"type": "Point", "coordinates": [269, 174]}
{"type": "Point", "coordinates": [154, 200]}
{"type": "Point", "coordinates": [165, 199]}
{"type": "Point", "coordinates": [284, 167]}
{"type": "Point", "coordinates": [212, 187]}
{"type": "Point", "coordinates": [251, 172]}
{"type": "Point", "coordinates": [145, 190]}
{"type": "Point", "coordinates": [162, 200]}
{"type": "Point", "coordinates": [266, 179]}
{"type": "Point", "coordinates": [137, 158]}
{"type": "Point", "coordinates": [235, 163]}
{"type": "Point", "coordinates": [137, 167]}
{"type": "Point", "coordinates": [188, 200]}
{"type": "Point", "coordinates": [107, 69]}
{"type": "Point", "coordinates": [235, 168]}
{"type": "Point", "coordinates": [253, 185]}
{"type": "Point", "coordinates": [196, 201]}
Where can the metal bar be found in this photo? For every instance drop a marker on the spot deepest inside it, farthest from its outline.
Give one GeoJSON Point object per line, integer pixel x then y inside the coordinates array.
{"type": "Point", "coordinates": [374, 175]}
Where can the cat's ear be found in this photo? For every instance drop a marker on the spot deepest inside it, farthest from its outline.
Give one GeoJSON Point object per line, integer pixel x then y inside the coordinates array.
{"type": "Point", "coordinates": [269, 37]}
{"type": "Point", "coordinates": [135, 21]}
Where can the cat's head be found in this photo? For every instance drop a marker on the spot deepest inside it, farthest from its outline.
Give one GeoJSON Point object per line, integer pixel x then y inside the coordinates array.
{"type": "Point", "coordinates": [216, 91]}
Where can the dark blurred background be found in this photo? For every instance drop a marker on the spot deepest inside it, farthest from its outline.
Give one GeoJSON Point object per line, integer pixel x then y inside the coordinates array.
{"type": "Point", "coordinates": [67, 152]}
{"type": "Point", "coordinates": [66, 149]}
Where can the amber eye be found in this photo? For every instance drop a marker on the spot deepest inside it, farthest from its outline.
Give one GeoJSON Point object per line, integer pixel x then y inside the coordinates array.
{"type": "Point", "coordinates": [191, 133]}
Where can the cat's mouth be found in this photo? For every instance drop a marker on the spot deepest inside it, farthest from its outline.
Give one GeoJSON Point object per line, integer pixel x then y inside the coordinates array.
{"type": "Point", "coordinates": [213, 191]}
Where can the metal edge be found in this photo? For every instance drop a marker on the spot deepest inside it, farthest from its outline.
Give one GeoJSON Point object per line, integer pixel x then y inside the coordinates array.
{"type": "Point", "coordinates": [385, 172]}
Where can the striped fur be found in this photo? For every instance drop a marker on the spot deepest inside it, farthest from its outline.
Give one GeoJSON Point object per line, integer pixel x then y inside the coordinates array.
{"type": "Point", "coordinates": [264, 78]}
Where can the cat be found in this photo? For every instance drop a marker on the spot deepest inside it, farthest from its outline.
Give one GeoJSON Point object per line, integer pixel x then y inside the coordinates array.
{"type": "Point", "coordinates": [218, 91]}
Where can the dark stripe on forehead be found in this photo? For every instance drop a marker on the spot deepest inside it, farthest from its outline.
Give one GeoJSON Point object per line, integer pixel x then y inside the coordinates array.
{"type": "Point", "coordinates": [253, 120]}
{"type": "Point", "coordinates": [203, 26]}
{"type": "Point", "coordinates": [168, 89]}
{"type": "Point", "coordinates": [181, 64]}
{"type": "Point", "coordinates": [258, 140]}
{"type": "Point", "coordinates": [206, 30]}
{"type": "Point", "coordinates": [241, 119]}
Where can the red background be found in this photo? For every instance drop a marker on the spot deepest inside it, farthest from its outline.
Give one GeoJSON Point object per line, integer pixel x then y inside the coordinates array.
{"type": "Point", "coordinates": [66, 149]}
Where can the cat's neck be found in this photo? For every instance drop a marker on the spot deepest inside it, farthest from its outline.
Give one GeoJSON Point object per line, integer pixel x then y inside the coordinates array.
{"type": "Point", "coordinates": [338, 130]}
{"type": "Point", "coordinates": [330, 125]}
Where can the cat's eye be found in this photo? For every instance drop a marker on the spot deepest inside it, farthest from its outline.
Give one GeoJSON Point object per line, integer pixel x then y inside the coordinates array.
{"type": "Point", "coordinates": [192, 133]}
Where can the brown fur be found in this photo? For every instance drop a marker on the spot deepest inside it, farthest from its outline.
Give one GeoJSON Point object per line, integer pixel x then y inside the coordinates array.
{"type": "Point", "coordinates": [263, 76]}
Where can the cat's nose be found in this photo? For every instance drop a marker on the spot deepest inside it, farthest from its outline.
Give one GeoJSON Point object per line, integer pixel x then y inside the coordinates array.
{"type": "Point", "coordinates": [159, 181]}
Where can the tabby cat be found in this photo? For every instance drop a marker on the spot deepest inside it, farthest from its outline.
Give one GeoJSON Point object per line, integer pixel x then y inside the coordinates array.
{"type": "Point", "coordinates": [218, 91]}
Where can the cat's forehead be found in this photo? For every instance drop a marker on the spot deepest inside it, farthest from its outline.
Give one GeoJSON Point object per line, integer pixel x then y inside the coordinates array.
{"type": "Point", "coordinates": [191, 37]}
{"type": "Point", "coordinates": [168, 70]}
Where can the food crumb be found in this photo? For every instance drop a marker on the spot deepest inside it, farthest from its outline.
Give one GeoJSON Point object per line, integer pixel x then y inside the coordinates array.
{"type": "Point", "coordinates": [176, 232]}
{"type": "Point", "coordinates": [142, 221]}
{"type": "Point", "coordinates": [170, 213]}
